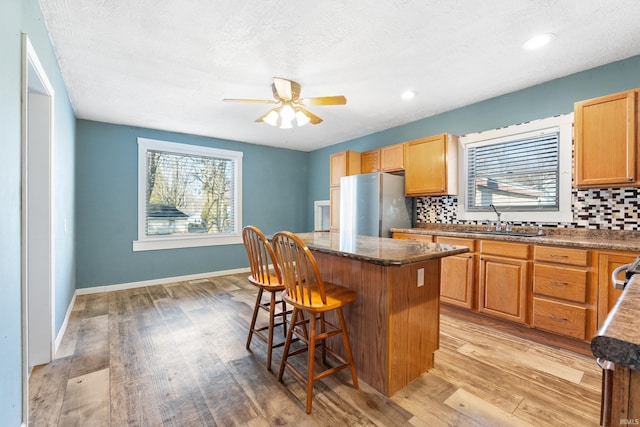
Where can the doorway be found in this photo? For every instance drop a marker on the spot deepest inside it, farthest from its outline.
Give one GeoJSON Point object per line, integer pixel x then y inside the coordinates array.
{"type": "Point", "coordinates": [38, 330]}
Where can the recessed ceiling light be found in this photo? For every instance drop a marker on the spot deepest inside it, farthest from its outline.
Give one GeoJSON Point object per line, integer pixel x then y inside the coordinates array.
{"type": "Point", "coordinates": [407, 95]}
{"type": "Point", "coordinates": [539, 41]}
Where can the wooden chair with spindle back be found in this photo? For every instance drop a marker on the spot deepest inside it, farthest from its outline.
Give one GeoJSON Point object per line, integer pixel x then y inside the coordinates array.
{"type": "Point", "coordinates": [308, 293]}
{"type": "Point", "coordinates": [265, 275]}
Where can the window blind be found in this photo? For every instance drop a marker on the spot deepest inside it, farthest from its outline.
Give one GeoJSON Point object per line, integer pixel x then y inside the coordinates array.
{"type": "Point", "coordinates": [189, 194]}
{"type": "Point", "coordinates": [519, 174]}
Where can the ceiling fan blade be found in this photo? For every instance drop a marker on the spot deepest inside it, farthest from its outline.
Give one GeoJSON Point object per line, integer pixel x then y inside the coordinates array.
{"type": "Point", "coordinates": [251, 101]}
{"type": "Point", "coordinates": [282, 89]}
{"type": "Point", "coordinates": [325, 100]}
{"type": "Point", "coordinates": [313, 119]}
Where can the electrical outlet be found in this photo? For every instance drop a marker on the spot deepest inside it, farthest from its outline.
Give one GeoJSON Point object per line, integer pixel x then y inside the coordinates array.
{"type": "Point", "coordinates": [420, 277]}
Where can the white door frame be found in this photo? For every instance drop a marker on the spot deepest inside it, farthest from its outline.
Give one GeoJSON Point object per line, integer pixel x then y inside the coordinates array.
{"type": "Point", "coordinates": [37, 251]}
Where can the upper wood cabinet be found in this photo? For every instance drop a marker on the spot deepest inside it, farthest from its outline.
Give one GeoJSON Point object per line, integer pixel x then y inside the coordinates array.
{"type": "Point", "coordinates": [344, 163]}
{"type": "Point", "coordinates": [431, 166]}
{"type": "Point", "coordinates": [606, 141]}
{"type": "Point", "coordinates": [370, 161]}
{"type": "Point", "coordinates": [392, 158]}
{"type": "Point", "coordinates": [385, 159]}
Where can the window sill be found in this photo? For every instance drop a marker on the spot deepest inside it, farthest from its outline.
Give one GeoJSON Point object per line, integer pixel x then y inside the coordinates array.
{"type": "Point", "coordinates": [177, 242]}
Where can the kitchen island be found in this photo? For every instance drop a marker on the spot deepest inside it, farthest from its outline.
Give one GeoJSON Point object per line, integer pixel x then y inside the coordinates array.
{"type": "Point", "coordinates": [394, 324]}
{"type": "Point", "coordinates": [617, 347]}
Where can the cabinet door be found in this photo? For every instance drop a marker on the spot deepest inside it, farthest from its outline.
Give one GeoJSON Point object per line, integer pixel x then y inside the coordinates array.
{"type": "Point", "coordinates": [456, 280]}
{"type": "Point", "coordinates": [503, 288]}
{"type": "Point", "coordinates": [607, 294]}
{"type": "Point", "coordinates": [430, 166]}
{"type": "Point", "coordinates": [392, 158]}
{"type": "Point", "coordinates": [341, 164]}
{"type": "Point", "coordinates": [606, 127]}
{"type": "Point", "coordinates": [334, 208]}
{"type": "Point", "coordinates": [370, 161]}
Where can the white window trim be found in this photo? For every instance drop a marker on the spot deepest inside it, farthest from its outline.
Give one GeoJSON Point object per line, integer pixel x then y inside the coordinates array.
{"type": "Point", "coordinates": [150, 243]}
{"type": "Point", "coordinates": [317, 213]}
{"type": "Point", "coordinates": [564, 214]}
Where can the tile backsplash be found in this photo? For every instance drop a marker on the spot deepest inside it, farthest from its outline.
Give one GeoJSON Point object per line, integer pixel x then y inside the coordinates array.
{"type": "Point", "coordinates": [604, 209]}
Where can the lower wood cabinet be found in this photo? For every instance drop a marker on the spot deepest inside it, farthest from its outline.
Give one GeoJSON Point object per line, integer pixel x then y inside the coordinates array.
{"type": "Point", "coordinates": [413, 236]}
{"type": "Point", "coordinates": [562, 290]}
{"type": "Point", "coordinates": [559, 317]}
{"type": "Point", "coordinates": [503, 280]}
{"type": "Point", "coordinates": [457, 274]}
{"type": "Point", "coordinates": [607, 294]}
{"type": "Point", "coordinates": [563, 293]}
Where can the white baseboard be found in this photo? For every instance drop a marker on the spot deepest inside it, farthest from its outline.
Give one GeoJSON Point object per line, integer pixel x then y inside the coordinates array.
{"type": "Point", "coordinates": [63, 328]}
{"type": "Point", "coordinates": [132, 285]}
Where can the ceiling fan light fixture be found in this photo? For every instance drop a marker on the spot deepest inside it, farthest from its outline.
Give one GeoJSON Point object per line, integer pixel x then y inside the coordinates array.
{"type": "Point", "coordinates": [301, 118]}
{"type": "Point", "coordinates": [271, 118]}
{"type": "Point", "coordinates": [287, 112]}
{"type": "Point", "coordinates": [286, 124]}
{"type": "Point", "coordinates": [289, 105]}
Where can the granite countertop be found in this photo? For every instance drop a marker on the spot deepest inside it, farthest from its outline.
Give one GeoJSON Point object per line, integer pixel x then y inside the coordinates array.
{"type": "Point", "coordinates": [618, 340]}
{"type": "Point", "coordinates": [571, 237]}
{"type": "Point", "coordinates": [378, 250]}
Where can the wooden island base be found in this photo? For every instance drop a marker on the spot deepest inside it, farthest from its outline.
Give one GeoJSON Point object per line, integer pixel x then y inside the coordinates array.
{"type": "Point", "coordinates": [394, 324]}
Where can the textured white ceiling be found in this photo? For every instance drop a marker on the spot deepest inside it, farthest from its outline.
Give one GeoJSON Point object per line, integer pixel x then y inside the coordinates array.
{"type": "Point", "coordinates": [168, 64]}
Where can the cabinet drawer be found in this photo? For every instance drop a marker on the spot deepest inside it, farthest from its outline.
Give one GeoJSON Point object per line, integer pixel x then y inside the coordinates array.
{"type": "Point", "coordinates": [561, 318]}
{"type": "Point", "coordinates": [560, 282]}
{"type": "Point", "coordinates": [457, 241]}
{"type": "Point", "coordinates": [561, 255]}
{"type": "Point", "coordinates": [413, 236]}
{"type": "Point", "coordinates": [506, 249]}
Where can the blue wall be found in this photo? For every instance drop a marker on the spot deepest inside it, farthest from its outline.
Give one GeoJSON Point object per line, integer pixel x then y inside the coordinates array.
{"type": "Point", "coordinates": [17, 16]}
{"type": "Point", "coordinates": [544, 100]}
{"type": "Point", "coordinates": [275, 183]}
{"type": "Point", "coordinates": [62, 153]}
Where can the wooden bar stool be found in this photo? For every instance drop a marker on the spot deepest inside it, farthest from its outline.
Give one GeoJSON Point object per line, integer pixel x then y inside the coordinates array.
{"type": "Point", "coordinates": [265, 275]}
{"type": "Point", "coordinates": [308, 293]}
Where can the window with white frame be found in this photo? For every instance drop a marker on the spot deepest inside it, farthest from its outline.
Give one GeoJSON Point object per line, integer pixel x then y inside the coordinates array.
{"type": "Point", "coordinates": [523, 170]}
{"type": "Point", "coordinates": [188, 195]}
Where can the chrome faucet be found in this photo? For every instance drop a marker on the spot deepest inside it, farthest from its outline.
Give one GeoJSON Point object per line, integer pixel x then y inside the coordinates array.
{"type": "Point", "coordinates": [498, 223]}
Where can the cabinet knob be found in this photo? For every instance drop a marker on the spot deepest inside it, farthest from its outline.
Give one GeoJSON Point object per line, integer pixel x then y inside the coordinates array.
{"type": "Point", "coordinates": [630, 179]}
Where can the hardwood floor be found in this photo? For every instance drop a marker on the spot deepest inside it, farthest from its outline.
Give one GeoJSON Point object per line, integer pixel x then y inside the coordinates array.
{"type": "Point", "coordinates": [175, 355]}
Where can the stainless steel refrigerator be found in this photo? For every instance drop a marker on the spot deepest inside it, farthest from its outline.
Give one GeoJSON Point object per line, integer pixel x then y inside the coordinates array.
{"type": "Point", "coordinates": [372, 203]}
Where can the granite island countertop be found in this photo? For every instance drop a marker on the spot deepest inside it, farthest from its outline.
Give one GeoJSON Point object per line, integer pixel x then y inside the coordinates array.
{"type": "Point", "coordinates": [618, 340]}
{"type": "Point", "coordinates": [614, 240]}
{"type": "Point", "coordinates": [378, 250]}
